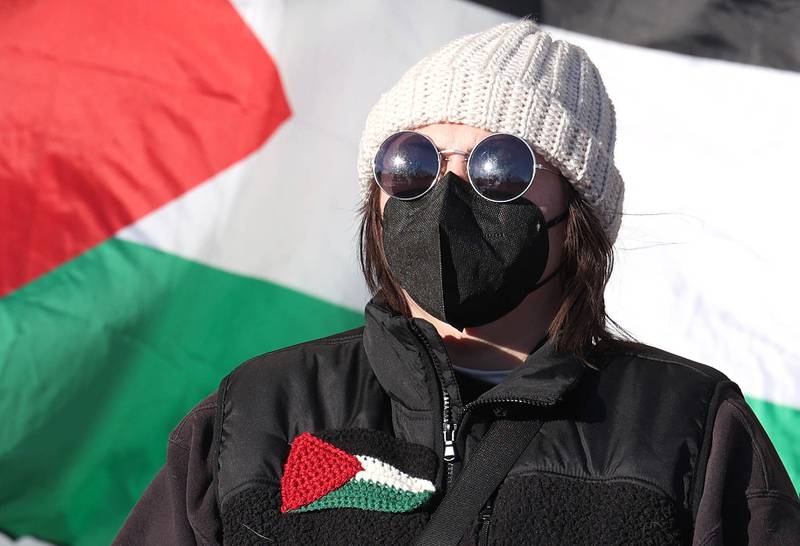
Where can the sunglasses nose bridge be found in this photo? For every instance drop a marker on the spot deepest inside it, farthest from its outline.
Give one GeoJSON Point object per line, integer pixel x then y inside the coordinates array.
{"type": "Point", "coordinates": [458, 167]}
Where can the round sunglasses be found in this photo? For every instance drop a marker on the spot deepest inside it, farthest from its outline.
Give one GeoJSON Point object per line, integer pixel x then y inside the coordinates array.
{"type": "Point", "coordinates": [500, 167]}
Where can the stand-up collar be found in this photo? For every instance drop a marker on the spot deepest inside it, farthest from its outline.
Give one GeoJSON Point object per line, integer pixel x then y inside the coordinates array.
{"type": "Point", "coordinates": [542, 378]}
{"type": "Point", "coordinates": [400, 359]}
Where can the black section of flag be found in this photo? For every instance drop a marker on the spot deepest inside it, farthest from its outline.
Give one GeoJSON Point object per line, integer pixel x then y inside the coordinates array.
{"type": "Point", "coordinates": [761, 32]}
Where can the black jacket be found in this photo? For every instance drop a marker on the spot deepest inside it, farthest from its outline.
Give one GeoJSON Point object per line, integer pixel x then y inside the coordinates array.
{"type": "Point", "coordinates": [641, 446]}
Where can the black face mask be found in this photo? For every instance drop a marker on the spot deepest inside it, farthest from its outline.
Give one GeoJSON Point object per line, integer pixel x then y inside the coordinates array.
{"type": "Point", "coordinates": [466, 260]}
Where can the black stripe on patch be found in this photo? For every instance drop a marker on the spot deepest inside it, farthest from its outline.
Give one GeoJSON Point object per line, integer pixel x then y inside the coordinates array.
{"type": "Point", "coordinates": [413, 459]}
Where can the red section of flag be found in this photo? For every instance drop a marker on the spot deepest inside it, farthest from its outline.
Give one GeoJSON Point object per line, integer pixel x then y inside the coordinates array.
{"type": "Point", "coordinates": [110, 109]}
{"type": "Point", "coordinates": [313, 469]}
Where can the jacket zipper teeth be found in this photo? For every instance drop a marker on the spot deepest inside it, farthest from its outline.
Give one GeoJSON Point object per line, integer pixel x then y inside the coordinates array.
{"type": "Point", "coordinates": [449, 427]}
{"type": "Point", "coordinates": [529, 402]}
{"type": "Point", "coordinates": [485, 518]}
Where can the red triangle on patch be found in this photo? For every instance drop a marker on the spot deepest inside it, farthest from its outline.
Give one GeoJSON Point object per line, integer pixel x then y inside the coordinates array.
{"type": "Point", "coordinates": [313, 469]}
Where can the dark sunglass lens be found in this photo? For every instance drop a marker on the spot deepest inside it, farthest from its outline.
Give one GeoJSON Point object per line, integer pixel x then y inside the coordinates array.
{"type": "Point", "coordinates": [501, 167]}
{"type": "Point", "coordinates": [406, 165]}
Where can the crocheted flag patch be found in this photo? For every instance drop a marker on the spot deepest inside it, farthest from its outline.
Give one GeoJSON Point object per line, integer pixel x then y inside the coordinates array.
{"type": "Point", "coordinates": [319, 475]}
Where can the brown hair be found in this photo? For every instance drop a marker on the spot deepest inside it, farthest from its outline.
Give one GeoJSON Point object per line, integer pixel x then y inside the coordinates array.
{"type": "Point", "coordinates": [588, 259]}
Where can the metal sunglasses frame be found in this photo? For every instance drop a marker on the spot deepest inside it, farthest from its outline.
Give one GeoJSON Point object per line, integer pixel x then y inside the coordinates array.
{"type": "Point", "coordinates": [445, 153]}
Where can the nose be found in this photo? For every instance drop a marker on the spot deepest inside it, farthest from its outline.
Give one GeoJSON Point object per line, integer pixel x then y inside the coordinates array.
{"type": "Point", "coordinates": [455, 161]}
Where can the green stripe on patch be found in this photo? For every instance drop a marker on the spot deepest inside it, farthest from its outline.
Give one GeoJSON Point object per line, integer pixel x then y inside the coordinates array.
{"type": "Point", "coordinates": [100, 359]}
{"type": "Point", "coordinates": [368, 495]}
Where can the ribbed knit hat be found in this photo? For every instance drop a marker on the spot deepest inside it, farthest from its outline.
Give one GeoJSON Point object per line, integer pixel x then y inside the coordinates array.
{"type": "Point", "coordinates": [512, 78]}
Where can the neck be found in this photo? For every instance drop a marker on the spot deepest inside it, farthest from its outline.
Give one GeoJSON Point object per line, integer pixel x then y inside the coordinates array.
{"type": "Point", "coordinates": [506, 342]}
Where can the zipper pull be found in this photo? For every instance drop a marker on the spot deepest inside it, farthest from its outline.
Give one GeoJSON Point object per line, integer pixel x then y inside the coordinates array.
{"type": "Point", "coordinates": [449, 443]}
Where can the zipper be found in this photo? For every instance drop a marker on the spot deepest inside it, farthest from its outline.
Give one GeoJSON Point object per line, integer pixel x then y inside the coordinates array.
{"type": "Point", "coordinates": [485, 517]}
{"type": "Point", "coordinates": [449, 423]}
{"type": "Point", "coordinates": [487, 401]}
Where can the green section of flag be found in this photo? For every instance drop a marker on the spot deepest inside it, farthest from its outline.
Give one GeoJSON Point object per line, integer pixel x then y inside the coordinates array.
{"type": "Point", "coordinates": [99, 360]}
{"type": "Point", "coordinates": [782, 424]}
{"type": "Point", "coordinates": [368, 495]}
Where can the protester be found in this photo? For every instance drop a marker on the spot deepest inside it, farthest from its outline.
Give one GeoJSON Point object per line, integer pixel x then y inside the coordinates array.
{"type": "Point", "coordinates": [491, 202]}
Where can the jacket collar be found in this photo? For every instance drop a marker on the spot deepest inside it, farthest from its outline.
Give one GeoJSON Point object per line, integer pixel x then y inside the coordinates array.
{"type": "Point", "coordinates": [399, 350]}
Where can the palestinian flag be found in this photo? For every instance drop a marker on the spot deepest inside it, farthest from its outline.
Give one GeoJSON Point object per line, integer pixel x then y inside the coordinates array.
{"type": "Point", "coordinates": [178, 193]}
{"type": "Point", "coordinates": [320, 475]}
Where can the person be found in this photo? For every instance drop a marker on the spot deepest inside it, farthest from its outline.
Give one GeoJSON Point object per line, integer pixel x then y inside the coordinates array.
{"type": "Point", "coordinates": [490, 205]}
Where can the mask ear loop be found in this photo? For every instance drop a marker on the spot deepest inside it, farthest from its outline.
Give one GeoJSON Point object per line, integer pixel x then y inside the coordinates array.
{"type": "Point", "coordinates": [557, 220]}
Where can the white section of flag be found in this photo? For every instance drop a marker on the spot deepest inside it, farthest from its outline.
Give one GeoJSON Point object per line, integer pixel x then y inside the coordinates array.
{"type": "Point", "coordinates": [705, 266]}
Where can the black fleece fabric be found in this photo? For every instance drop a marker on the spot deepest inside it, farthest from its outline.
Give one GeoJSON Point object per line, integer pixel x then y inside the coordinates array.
{"type": "Point", "coordinates": [260, 505]}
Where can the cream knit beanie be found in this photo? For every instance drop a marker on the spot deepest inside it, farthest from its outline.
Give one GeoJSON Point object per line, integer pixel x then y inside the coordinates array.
{"type": "Point", "coordinates": [512, 78]}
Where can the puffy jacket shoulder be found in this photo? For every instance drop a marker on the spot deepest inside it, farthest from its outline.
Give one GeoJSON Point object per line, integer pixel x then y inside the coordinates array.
{"type": "Point", "coordinates": [270, 399]}
{"type": "Point", "coordinates": [641, 354]}
{"type": "Point", "coordinates": [644, 415]}
{"type": "Point", "coordinates": [295, 361]}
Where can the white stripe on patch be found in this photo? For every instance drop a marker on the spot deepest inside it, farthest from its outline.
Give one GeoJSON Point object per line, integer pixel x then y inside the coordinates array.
{"type": "Point", "coordinates": [382, 473]}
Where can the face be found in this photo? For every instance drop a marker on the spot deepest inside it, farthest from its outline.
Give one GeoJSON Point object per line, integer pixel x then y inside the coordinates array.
{"type": "Point", "coordinates": [547, 190]}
